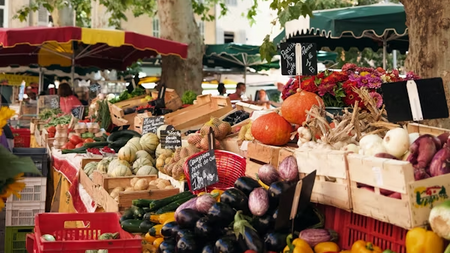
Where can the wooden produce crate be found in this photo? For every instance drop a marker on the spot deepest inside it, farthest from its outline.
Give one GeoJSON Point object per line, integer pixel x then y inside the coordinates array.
{"type": "Point", "coordinates": [102, 197]}
{"type": "Point", "coordinates": [417, 197]}
{"type": "Point", "coordinates": [259, 154]}
{"type": "Point", "coordinates": [36, 125]}
{"type": "Point", "coordinates": [171, 98]}
{"type": "Point", "coordinates": [332, 185]}
{"type": "Point", "coordinates": [424, 129]}
{"type": "Point", "coordinates": [249, 107]}
{"type": "Point", "coordinates": [84, 179]}
{"type": "Point", "coordinates": [139, 120]}
{"type": "Point", "coordinates": [118, 116]}
{"type": "Point", "coordinates": [102, 180]}
{"type": "Point", "coordinates": [207, 106]}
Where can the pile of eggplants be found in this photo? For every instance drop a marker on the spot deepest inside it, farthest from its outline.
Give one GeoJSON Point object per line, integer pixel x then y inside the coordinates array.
{"type": "Point", "coordinates": [243, 220]}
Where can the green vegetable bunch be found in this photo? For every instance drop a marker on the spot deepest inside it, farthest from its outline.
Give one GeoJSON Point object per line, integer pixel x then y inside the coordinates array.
{"type": "Point", "coordinates": [49, 113]}
{"type": "Point", "coordinates": [63, 120]}
{"type": "Point", "coordinates": [189, 97]}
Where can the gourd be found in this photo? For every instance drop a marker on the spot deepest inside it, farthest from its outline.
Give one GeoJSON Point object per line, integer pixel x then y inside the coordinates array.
{"type": "Point", "coordinates": [161, 128]}
{"type": "Point", "coordinates": [115, 163]}
{"type": "Point", "coordinates": [271, 129]}
{"type": "Point", "coordinates": [127, 154]}
{"type": "Point", "coordinates": [159, 151]}
{"type": "Point", "coordinates": [146, 170]}
{"type": "Point", "coordinates": [121, 171]}
{"type": "Point", "coordinates": [90, 167]}
{"type": "Point", "coordinates": [134, 142]}
{"type": "Point", "coordinates": [141, 162]}
{"type": "Point", "coordinates": [149, 142]}
{"type": "Point", "coordinates": [144, 154]}
{"type": "Point", "coordinates": [294, 108]}
{"type": "Point", "coordinates": [102, 166]}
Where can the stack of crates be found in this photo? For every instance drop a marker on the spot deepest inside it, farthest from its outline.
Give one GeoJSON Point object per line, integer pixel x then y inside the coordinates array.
{"type": "Point", "coordinates": [20, 213]}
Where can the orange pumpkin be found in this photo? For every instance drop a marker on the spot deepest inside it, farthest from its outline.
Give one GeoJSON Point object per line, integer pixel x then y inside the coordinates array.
{"type": "Point", "coordinates": [271, 129]}
{"type": "Point", "coordinates": [294, 108]}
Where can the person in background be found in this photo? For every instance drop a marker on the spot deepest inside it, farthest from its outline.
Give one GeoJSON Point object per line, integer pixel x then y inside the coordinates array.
{"type": "Point", "coordinates": [221, 89]}
{"type": "Point", "coordinates": [32, 98]}
{"type": "Point", "coordinates": [263, 99]}
{"type": "Point", "coordinates": [240, 92]}
{"type": "Point", "coordinates": [83, 102]}
{"type": "Point", "coordinates": [7, 138]}
{"type": "Point", "coordinates": [67, 101]}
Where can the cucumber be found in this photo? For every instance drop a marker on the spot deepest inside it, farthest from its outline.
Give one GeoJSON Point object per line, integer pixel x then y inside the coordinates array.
{"type": "Point", "coordinates": [76, 150]}
{"type": "Point", "coordinates": [146, 225]}
{"type": "Point", "coordinates": [157, 204]}
{"type": "Point", "coordinates": [116, 135]}
{"type": "Point", "coordinates": [174, 205]}
{"type": "Point", "coordinates": [141, 202]}
{"type": "Point", "coordinates": [131, 226]}
{"type": "Point", "coordinates": [138, 213]}
{"type": "Point", "coordinates": [127, 215]}
{"type": "Point", "coordinates": [146, 209]}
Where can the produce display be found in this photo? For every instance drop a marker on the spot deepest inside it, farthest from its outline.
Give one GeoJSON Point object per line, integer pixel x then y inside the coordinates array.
{"type": "Point", "coordinates": [220, 128]}
{"type": "Point", "coordinates": [141, 184]}
{"type": "Point", "coordinates": [171, 163]}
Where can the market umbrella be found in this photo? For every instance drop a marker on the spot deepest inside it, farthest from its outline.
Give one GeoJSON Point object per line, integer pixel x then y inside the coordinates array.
{"type": "Point", "coordinates": [371, 26]}
{"type": "Point", "coordinates": [75, 46]}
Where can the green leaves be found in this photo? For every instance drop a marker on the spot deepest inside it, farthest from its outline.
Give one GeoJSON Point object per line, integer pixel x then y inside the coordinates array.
{"type": "Point", "coordinates": [267, 49]}
{"type": "Point", "coordinates": [13, 165]}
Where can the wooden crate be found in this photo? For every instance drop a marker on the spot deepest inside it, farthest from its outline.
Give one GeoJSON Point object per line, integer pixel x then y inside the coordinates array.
{"type": "Point", "coordinates": [417, 197]}
{"type": "Point", "coordinates": [118, 116]}
{"type": "Point", "coordinates": [207, 106]}
{"type": "Point", "coordinates": [171, 98]}
{"type": "Point", "coordinates": [36, 125]}
{"type": "Point", "coordinates": [259, 154]}
{"type": "Point", "coordinates": [332, 185]}
{"type": "Point", "coordinates": [84, 179]}
{"type": "Point", "coordinates": [424, 129]}
{"type": "Point", "coordinates": [285, 152]}
{"type": "Point", "coordinates": [102, 180]}
{"type": "Point", "coordinates": [139, 120]}
{"type": "Point", "coordinates": [249, 107]}
{"type": "Point", "coordinates": [102, 198]}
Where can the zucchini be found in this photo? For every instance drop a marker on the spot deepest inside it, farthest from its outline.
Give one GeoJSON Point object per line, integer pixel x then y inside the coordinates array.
{"type": "Point", "coordinates": [138, 213]}
{"type": "Point", "coordinates": [127, 215]}
{"type": "Point", "coordinates": [146, 225]}
{"type": "Point", "coordinates": [76, 150]}
{"type": "Point", "coordinates": [155, 230]}
{"type": "Point", "coordinates": [95, 144]}
{"type": "Point", "coordinates": [146, 209]}
{"type": "Point", "coordinates": [99, 139]}
{"type": "Point", "coordinates": [173, 206]}
{"type": "Point", "coordinates": [116, 135]}
{"type": "Point", "coordinates": [157, 204]}
{"type": "Point", "coordinates": [131, 226]}
{"type": "Point", "coordinates": [162, 218]}
{"type": "Point", "coordinates": [147, 216]}
{"type": "Point", "coordinates": [141, 202]}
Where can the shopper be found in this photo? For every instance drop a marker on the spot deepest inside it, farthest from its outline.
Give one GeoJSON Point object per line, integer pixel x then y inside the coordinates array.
{"type": "Point", "coordinates": [240, 92]}
{"type": "Point", "coordinates": [222, 90]}
{"type": "Point", "coordinates": [67, 101]}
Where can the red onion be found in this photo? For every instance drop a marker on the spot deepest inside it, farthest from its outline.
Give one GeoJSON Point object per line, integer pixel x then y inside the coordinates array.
{"type": "Point", "coordinates": [268, 174]}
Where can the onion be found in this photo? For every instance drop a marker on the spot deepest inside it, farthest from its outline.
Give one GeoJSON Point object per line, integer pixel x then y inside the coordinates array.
{"type": "Point", "coordinates": [204, 203]}
{"type": "Point", "coordinates": [268, 174]}
{"type": "Point", "coordinates": [396, 142]}
{"type": "Point", "coordinates": [288, 169]}
{"type": "Point", "coordinates": [258, 202]}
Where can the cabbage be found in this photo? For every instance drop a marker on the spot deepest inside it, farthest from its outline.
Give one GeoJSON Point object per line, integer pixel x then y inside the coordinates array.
{"type": "Point", "coordinates": [440, 219]}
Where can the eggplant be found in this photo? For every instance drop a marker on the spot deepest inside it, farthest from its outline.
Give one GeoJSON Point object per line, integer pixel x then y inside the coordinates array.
{"type": "Point", "coordinates": [236, 199]}
{"type": "Point", "coordinates": [208, 248]}
{"type": "Point", "coordinates": [221, 213]}
{"type": "Point", "coordinates": [187, 244]}
{"type": "Point", "coordinates": [248, 238]}
{"type": "Point", "coordinates": [246, 185]}
{"type": "Point", "coordinates": [311, 217]}
{"type": "Point", "coordinates": [275, 241]}
{"type": "Point", "coordinates": [226, 244]}
{"type": "Point", "coordinates": [188, 217]}
{"type": "Point", "coordinates": [169, 250]}
{"type": "Point", "coordinates": [167, 229]}
{"type": "Point", "coordinates": [166, 245]}
{"type": "Point", "coordinates": [204, 228]}
{"type": "Point", "coordinates": [184, 233]}
{"type": "Point", "coordinates": [275, 191]}
{"type": "Point", "coordinates": [264, 223]}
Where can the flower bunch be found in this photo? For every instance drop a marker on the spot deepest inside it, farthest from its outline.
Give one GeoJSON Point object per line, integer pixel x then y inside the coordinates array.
{"type": "Point", "coordinates": [336, 88]}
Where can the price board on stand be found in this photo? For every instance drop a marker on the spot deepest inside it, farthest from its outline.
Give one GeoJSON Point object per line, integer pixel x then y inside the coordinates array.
{"type": "Point", "coordinates": [170, 138]}
{"type": "Point", "coordinates": [78, 112]}
{"type": "Point", "coordinates": [151, 124]}
{"type": "Point", "coordinates": [203, 170]}
{"type": "Point", "coordinates": [298, 59]}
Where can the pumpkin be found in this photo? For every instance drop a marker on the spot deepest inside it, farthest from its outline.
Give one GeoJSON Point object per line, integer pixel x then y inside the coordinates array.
{"type": "Point", "coordinates": [149, 142]}
{"type": "Point", "coordinates": [159, 151]}
{"type": "Point", "coordinates": [294, 108]}
{"type": "Point", "coordinates": [271, 129]}
{"type": "Point", "coordinates": [161, 128]}
{"type": "Point", "coordinates": [134, 142]}
{"type": "Point", "coordinates": [141, 162]}
{"type": "Point", "coordinates": [102, 166]}
{"type": "Point", "coordinates": [146, 170]}
{"type": "Point", "coordinates": [127, 154]}
{"type": "Point", "coordinates": [90, 167]}
{"type": "Point", "coordinates": [121, 171]}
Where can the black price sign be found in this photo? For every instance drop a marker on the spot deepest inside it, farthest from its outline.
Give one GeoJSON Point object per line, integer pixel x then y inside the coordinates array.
{"type": "Point", "coordinates": [170, 139]}
{"type": "Point", "coordinates": [203, 170]}
{"type": "Point", "coordinates": [151, 124]}
{"type": "Point", "coordinates": [48, 101]}
{"type": "Point", "coordinates": [78, 112]}
{"type": "Point", "coordinates": [298, 59]}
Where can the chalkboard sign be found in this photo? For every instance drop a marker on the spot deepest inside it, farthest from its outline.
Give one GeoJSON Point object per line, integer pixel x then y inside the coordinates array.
{"type": "Point", "coordinates": [203, 170]}
{"type": "Point", "coordinates": [78, 112]}
{"type": "Point", "coordinates": [48, 101]}
{"type": "Point", "coordinates": [151, 124]}
{"type": "Point", "coordinates": [170, 139]}
{"type": "Point", "coordinates": [292, 64]}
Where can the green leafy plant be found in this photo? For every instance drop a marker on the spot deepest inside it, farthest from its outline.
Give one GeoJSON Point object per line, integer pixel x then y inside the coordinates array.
{"type": "Point", "coordinates": [189, 97]}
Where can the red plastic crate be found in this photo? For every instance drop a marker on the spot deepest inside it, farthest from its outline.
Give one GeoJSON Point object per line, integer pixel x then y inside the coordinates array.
{"type": "Point", "coordinates": [78, 240]}
{"type": "Point", "coordinates": [21, 137]}
{"type": "Point", "coordinates": [352, 227]}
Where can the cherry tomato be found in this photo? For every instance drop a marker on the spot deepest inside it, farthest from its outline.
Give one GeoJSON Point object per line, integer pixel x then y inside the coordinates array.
{"type": "Point", "coordinates": [68, 145]}
{"type": "Point", "coordinates": [88, 140]}
{"type": "Point", "coordinates": [79, 145]}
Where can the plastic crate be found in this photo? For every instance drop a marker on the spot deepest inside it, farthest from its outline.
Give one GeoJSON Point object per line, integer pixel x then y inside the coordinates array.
{"type": "Point", "coordinates": [35, 191]}
{"type": "Point", "coordinates": [78, 240]}
{"type": "Point", "coordinates": [352, 227]}
{"type": "Point", "coordinates": [22, 137]}
{"type": "Point", "coordinates": [15, 239]}
{"type": "Point", "coordinates": [38, 155]}
{"type": "Point", "coordinates": [22, 214]}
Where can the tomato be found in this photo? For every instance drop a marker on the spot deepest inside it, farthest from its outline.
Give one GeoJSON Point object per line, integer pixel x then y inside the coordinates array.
{"type": "Point", "coordinates": [88, 140]}
{"type": "Point", "coordinates": [68, 145]}
{"type": "Point", "coordinates": [75, 139]}
{"type": "Point", "coordinates": [79, 145]}
{"type": "Point", "coordinates": [51, 129]}
{"type": "Point", "coordinates": [51, 135]}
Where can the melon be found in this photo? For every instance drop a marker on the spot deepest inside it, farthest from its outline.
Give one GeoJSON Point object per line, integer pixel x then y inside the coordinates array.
{"type": "Point", "coordinates": [127, 153]}
{"type": "Point", "coordinates": [272, 129]}
{"type": "Point", "coordinates": [149, 142]}
{"type": "Point", "coordinates": [146, 170]}
{"type": "Point", "coordinates": [140, 163]}
{"type": "Point", "coordinates": [294, 109]}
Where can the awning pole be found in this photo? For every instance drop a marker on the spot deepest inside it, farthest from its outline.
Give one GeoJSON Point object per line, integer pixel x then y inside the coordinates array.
{"type": "Point", "coordinates": [384, 54]}
{"type": "Point", "coordinates": [41, 83]}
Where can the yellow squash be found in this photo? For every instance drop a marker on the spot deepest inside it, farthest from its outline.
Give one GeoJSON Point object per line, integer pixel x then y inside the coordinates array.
{"type": "Point", "coordinates": [419, 240]}
{"type": "Point", "coordinates": [162, 218]}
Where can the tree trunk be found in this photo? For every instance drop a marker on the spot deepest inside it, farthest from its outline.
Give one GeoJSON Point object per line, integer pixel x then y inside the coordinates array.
{"type": "Point", "coordinates": [63, 17]}
{"type": "Point", "coordinates": [177, 23]}
{"type": "Point", "coordinates": [429, 38]}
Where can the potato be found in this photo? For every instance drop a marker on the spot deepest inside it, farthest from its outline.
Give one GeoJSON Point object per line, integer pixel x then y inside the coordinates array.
{"type": "Point", "coordinates": [153, 182]}
{"type": "Point", "coordinates": [141, 184]}
{"type": "Point", "coordinates": [114, 194]}
{"type": "Point", "coordinates": [118, 189]}
{"type": "Point", "coordinates": [152, 187]}
{"type": "Point", "coordinates": [129, 189]}
{"type": "Point", "coordinates": [167, 182]}
{"type": "Point", "coordinates": [133, 181]}
{"type": "Point", "coordinates": [161, 185]}
{"type": "Point", "coordinates": [169, 187]}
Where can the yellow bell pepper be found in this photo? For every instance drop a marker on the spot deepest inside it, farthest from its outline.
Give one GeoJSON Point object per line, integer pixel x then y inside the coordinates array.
{"type": "Point", "coordinates": [326, 247]}
{"type": "Point", "coordinates": [217, 193]}
{"type": "Point", "coordinates": [157, 242]}
{"type": "Point", "coordinates": [364, 247]}
{"type": "Point", "coordinates": [419, 240]}
{"type": "Point", "coordinates": [297, 246]}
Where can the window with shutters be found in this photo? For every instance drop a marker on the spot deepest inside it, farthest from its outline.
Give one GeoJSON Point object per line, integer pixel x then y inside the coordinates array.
{"type": "Point", "coordinates": [4, 13]}
{"type": "Point", "coordinates": [43, 16]}
{"type": "Point", "coordinates": [156, 28]}
{"type": "Point", "coordinates": [228, 37]}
